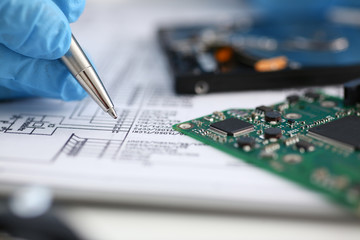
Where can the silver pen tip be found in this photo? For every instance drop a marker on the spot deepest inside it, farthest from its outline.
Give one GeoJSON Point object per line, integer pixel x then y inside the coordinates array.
{"type": "Point", "coordinates": [112, 113]}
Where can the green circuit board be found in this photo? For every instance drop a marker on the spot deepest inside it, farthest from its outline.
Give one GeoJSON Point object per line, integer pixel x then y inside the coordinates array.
{"type": "Point", "coordinates": [313, 140]}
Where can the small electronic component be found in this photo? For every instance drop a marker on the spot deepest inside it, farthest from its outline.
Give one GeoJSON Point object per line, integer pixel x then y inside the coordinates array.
{"type": "Point", "coordinates": [328, 104]}
{"type": "Point", "coordinates": [293, 98]}
{"type": "Point", "coordinates": [246, 142]}
{"type": "Point", "coordinates": [272, 147]}
{"type": "Point", "coordinates": [304, 146]}
{"type": "Point", "coordinates": [343, 132]}
{"type": "Point", "coordinates": [312, 95]}
{"type": "Point", "coordinates": [291, 121]}
{"type": "Point", "coordinates": [262, 109]}
{"type": "Point", "coordinates": [272, 116]}
{"type": "Point", "coordinates": [318, 146]}
{"type": "Point", "coordinates": [272, 133]}
{"type": "Point", "coordinates": [291, 140]}
{"type": "Point", "coordinates": [352, 92]}
{"type": "Point", "coordinates": [232, 127]}
{"type": "Point", "coordinates": [238, 113]}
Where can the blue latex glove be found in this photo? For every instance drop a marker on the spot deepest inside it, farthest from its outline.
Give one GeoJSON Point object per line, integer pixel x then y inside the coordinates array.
{"type": "Point", "coordinates": [34, 34]}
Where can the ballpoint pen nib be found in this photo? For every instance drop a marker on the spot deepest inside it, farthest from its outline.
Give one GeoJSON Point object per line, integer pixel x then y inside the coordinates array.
{"type": "Point", "coordinates": [112, 113]}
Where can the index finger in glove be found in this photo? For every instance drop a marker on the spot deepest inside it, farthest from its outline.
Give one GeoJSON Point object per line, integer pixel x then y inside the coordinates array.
{"type": "Point", "coordinates": [36, 28]}
{"type": "Point", "coordinates": [72, 9]}
{"type": "Point", "coordinates": [37, 77]}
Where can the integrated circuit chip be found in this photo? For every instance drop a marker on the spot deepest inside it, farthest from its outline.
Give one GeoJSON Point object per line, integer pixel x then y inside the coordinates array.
{"type": "Point", "coordinates": [232, 127]}
{"type": "Point", "coordinates": [344, 132]}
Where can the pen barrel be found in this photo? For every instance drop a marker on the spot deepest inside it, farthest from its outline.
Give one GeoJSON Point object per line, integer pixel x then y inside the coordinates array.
{"type": "Point", "coordinates": [75, 59]}
{"type": "Point", "coordinates": [81, 68]}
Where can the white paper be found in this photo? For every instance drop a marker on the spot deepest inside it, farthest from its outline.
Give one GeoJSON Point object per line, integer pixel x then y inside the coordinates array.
{"type": "Point", "coordinates": [82, 154]}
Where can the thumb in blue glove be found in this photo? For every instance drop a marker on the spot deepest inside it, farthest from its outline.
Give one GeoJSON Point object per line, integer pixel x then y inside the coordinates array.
{"type": "Point", "coordinates": [33, 36]}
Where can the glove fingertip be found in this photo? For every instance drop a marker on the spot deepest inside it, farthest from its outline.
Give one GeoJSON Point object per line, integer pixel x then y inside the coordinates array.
{"type": "Point", "coordinates": [72, 90]}
{"type": "Point", "coordinates": [38, 29]}
{"type": "Point", "coordinates": [78, 7]}
{"type": "Point", "coordinates": [60, 43]}
{"type": "Point", "coordinates": [72, 9]}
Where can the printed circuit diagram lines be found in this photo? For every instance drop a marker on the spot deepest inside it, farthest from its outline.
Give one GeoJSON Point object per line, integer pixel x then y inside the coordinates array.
{"type": "Point", "coordinates": [31, 124]}
{"type": "Point", "coordinates": [90, 148]}
{"type": "Point", "coordinates": [38, 124]}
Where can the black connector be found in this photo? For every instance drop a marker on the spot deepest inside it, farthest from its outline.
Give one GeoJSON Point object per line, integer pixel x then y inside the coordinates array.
{"type": "Point", "coordinates": [352, 92]}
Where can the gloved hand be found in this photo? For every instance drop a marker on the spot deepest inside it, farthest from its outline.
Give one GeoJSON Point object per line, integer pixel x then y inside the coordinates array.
{"type": "Point", "coordinates": [34, 34]}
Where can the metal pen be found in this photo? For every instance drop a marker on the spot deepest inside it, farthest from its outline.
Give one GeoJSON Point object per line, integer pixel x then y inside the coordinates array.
{"type": "Point", "coordinates": [81, 68]}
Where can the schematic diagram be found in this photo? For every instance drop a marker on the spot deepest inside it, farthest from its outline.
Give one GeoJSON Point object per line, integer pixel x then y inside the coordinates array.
{"type": "Point", "coordinates": [90, 148]}
{"type": "Point", "coordinates": [30, 124]}
{"type": "Point", "coordinates": [38, 124]}
{"type": "Point", "coordinates": [85, 132]}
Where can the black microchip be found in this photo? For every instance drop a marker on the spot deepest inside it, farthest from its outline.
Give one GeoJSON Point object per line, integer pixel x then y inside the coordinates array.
{"type": "Point", "coordinates": [343, 132]}
{"type": "Point", "coordinates": [292, 98]}
{"type": "Point", "coordinates": [246, 141]}
{"type": "Point", "coordinates": [263, 109]}
{"type": "Point", "coordinates": [272, 116]}
{"type": "Point", "coordinates": [272, 133]}
{"type": "Point", "coordinates": [232, 127]}
{"type": "Point", "coordinates": [305, 146]}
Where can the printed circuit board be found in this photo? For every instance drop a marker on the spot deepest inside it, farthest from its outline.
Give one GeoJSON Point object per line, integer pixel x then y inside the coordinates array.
{"type": "Point", "coordinates": [313, 140]}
